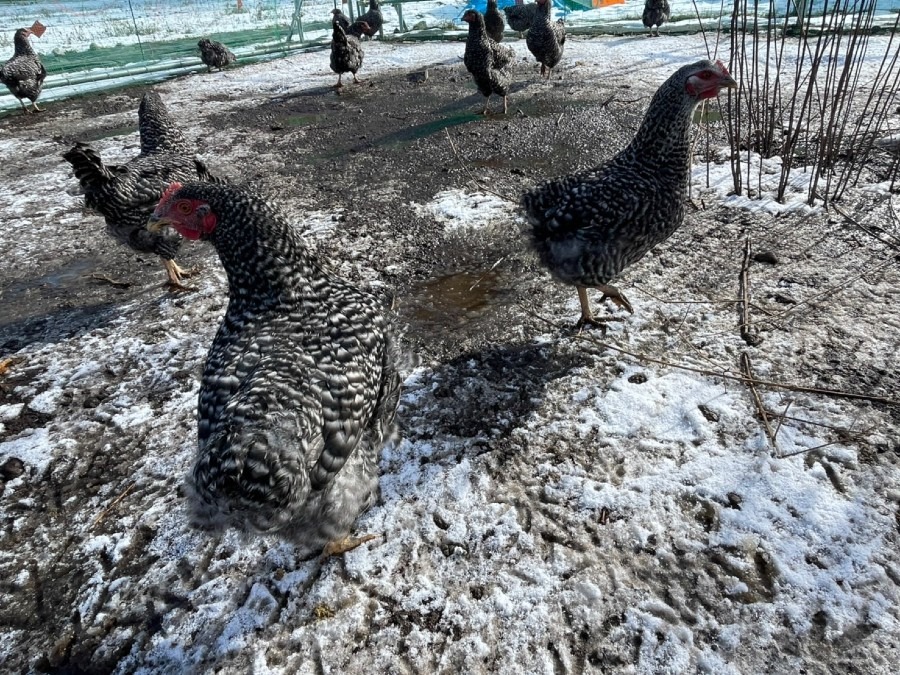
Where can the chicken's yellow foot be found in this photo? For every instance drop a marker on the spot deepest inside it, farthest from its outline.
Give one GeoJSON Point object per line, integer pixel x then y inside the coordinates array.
{"type": "Point", "coordinates": [176, 274]}
{"type": "Point", "coordinates": [617, 297]}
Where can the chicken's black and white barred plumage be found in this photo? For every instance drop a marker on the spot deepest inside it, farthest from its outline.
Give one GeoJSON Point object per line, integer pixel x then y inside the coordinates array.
{"type": "Point", "coordinates": [24, 74]}
{"type": "Point", "coordinates": [373, 18]}
{"type": "Point", "coordinates": [493, 21]}
{"type": "Point", "coordinates": [589, 226]}
{"type": "Point", "coordinates": [656, 13]}
{"type": "Point", "coordinates": [125, 195]}
{"type": "Point", "coordinates": [346, 52]}
{"type": "Point", "coordinates": [337, 16]}
{"type": "Point", "coordinates": [520, 17]}
{"type": "Point", "coordinates": [214, 54]}
{"type": "Point", "coordinates": [486, 60]}
{"type": "Point", "coordinates": [301, 384]}
{"type": "Point", "coordinates": [546, 39]}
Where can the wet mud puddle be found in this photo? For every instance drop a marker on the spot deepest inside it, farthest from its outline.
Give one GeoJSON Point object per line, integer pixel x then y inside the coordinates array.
{"type": "Point", "coordinates": [454, 301]}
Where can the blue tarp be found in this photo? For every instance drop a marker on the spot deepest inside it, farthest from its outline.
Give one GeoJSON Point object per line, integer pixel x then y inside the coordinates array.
{"type": "Point", "coordinates": [481, 5]}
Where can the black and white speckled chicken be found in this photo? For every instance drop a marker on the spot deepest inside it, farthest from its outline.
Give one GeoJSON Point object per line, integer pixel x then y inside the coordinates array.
{"type": "Point", "coordinates": [373, 18]}
{"type": "Point", "coordinates": [493, 21]}
{"type": "Point", "coordinates": [301, 384]}
{"type": "Point", "coordinates": [546, 39]}
{"type": "Point", "coordinates": [215, 55]}
{"type": "Point", "coordinates": [346, 53]}
{"type": "Point", "coordinates": [486, 60]}
{"type": "Point", "coordinates": [125, 195]}
{"type": "Point", "coordinates": [24, 73]}
{"type": "Point", "coordinates": [589, 226]}
{"type": "Point", "coordinates": [520, 17]}
{"type": "Point", "coordinates": [337, 16]}
{"type": "Point", "coordinates": [656, 13]}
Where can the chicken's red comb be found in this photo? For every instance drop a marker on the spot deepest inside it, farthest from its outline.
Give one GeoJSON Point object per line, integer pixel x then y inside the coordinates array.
{"type": "Point", "coordinates": [722, 68]}
{"type": "Point", "coordinates": [171, 190]}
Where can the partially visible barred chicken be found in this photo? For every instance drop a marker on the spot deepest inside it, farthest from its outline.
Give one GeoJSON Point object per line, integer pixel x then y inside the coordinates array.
{"type": "Point", "coordinates": [24, 74]}
{"type": "Point", "coordinates": [493, 21]}
{"type": "Point", "coordinates": [520, 17]}
{"type": "Point", "coordinates": [372, 18]}
{"type": "Point", "coordinates": [337, 16]}
{"type": "Point", "coordinates": [215, 55]}
{"type": "Point", "coordinates": [125, 195]}
{"type": "Point", "coordinates": [346, 52]}
{"type": "Point", "coordinates": [546, 38]}
{"type": "Point", "coordinates": [656, 13]}
{"type": "Point", "coordinates": [486, 60]}
{"type": "Point", "coordinates": [589, 226]}
{"type": "Point", "coordinates": [300, 388]}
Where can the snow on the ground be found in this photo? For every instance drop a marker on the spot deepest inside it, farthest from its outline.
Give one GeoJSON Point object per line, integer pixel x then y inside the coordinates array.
{"type": "Point", "coordinates": [634, 520]}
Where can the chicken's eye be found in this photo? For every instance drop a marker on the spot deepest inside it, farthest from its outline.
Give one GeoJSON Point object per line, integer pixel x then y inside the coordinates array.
{"type": "Point", "coordinates": [705, 75]}
{"type": "Point", "coordinates": [183, 207]}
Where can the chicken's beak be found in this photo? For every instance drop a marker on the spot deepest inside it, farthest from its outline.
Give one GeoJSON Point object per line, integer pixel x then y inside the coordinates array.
{"type": "Point", "coordinates": [727, 82]}
{"type": "Point", "coordinates": [157, 223]}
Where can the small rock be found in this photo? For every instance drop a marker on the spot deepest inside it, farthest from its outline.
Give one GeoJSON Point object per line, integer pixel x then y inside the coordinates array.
{"type": "Point", "coordinates": [12, 468]}
{"type": "Point", "coordinates": [784, 299]}
{"type": "Point", "coordinates": [765, 257]}
{"type": "Point", "coordinates": [710, 415]}
{"type": "Point", "coordinates": [637, 378]}
{"type": "Point", "coordinates": [734, 500]}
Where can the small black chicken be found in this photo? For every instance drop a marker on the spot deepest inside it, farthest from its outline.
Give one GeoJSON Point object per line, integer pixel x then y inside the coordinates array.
{"type": "Point", "coordinates": [301, 384]}
{"type": "Point", "coordinates": [215, 54]}
{"type": "Point", "coordinates": [373, 18]}
{"type": "Point", "coordinates": [493, 21]}
{"type": "Point", "coordinates": [589, 226]}
{"type": "Point", "coordinates": [545, 38]}
{"type": "Point", "coordinates": [346, 52]}
{"type": "Point", "coordinates": [520, 17]}
{"type": "Point", "coordinates": [24, 73]}
{"type": "Point", "coordinates": [486, 60]}
{"type": "Point", "coordinates": [656, 13]}
{"type": "Point", "coordinates": [125, 195]}
{"type": "Point", "coordinates": [337, 16]}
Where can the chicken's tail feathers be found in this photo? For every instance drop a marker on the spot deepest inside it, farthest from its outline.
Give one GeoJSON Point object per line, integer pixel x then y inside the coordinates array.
{"type": "Point", "coordinates": [204, 175]}
{"type": "Point", "coordinates": [87, 166]}
{"type": "Point", "coordinates": [243, 479]}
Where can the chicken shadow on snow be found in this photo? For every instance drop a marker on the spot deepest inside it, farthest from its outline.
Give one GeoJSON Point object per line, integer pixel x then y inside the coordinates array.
{"type": "Point", "coordinates": [482, 395]}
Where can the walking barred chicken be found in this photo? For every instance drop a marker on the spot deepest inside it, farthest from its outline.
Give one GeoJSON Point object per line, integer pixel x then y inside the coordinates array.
{"type": "Point", "coordinates": [545, 38]}
{"type": "Point", "coordinates": [301, 384]}
{"type": "Point", "coordinates": [215, 54]}
{"type": "Point", "coordinates": [656, 13]}
{"type": "Point", "coordinates": [346, 52]}
{"type": "Point", "coordinates": [337, 16]}
{"type": "Point", "coordinates": [24, 74]}
{"type": "Point", "coordinates": [589, 226]}
{"type": "Point", "coordinates": [373, 19]}
{"type": "Point", "coordinates": [486, 60]}
{"type": "Point", "coordinates": [126, 195]}
{"type": "Point", "coordinates": [493, 21]}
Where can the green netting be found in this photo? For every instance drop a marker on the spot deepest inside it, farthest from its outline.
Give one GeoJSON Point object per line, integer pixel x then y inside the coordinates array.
{"type": "Point", "coordinates": [106, 42]}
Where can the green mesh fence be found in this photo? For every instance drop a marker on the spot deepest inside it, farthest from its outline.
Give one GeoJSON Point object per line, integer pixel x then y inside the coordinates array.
{"type": "Point", "coordinates": [93, 44]}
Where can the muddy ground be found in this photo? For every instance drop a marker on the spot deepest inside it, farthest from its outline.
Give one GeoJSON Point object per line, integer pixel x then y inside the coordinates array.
{"type": "Point", "coordinates": [470, 303]}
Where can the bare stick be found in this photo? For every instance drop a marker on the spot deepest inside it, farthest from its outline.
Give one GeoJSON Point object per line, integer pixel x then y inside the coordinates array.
{"type": "Point", "coordinates": [110, 280]}
{"type": "Point", "coordinates": [749, 336]}
{"type": "Point", "coordinates": [747, 370]}
{"type": "Point", "coordinates": [782, 417]}
{"type": "Point", "coordinates": [112, 504]}
{"type": "Point", "coordinates": [724, 374]}
{"type": "Point", "coordinates": [466, 169]}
